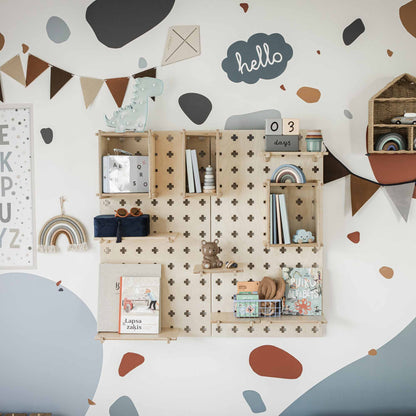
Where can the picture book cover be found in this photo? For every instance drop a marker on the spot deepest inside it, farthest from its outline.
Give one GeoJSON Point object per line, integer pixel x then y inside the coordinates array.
{"type": "Point", "coordinates": [139, 310]}
{"type": "Point", "coordinates": [303, 293]}
{"type": "Point", "coordinates": [246, 305]}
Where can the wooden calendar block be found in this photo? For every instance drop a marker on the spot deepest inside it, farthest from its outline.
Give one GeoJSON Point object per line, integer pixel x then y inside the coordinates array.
{"type": "Point", "coordinates": [274, 126]}
{"type": "Point", "coordinates": [291, 126]}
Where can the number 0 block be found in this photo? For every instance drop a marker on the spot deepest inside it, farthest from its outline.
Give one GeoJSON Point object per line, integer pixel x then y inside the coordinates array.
{"type": "Point", "coordinates": [274, 126]}
{"type": "Point", "coordinates": [291, 126]}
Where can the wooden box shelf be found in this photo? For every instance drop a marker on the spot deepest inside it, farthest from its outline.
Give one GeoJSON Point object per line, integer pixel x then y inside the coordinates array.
{"type": "Point", "coordinates": [303, 203]}
{"type": "Point", "coordinates": [206, 144]}
{"type": "Point", "coordinates": [137, 143]}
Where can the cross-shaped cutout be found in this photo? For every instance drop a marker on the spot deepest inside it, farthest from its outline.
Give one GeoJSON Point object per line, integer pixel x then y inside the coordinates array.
{"type": "Point", "coordinates": [187, 329]}
{"type": "Point", "coordinates": [266, 250]}
{"type": "Point", "coordinates": [299, 250]}
{"type": "Point", "coordinates": [187, 281]}
{"type": "Point", "coordinates": [250, 137]}
{"type": "Point", "coordinates": [234, 281]}
{"type": "Point", "coordinates": [169, 138]}
{"type": "Point", "coordinates": [250, 169]}
{"type": "Point", "coordinates": [123, 202]}
{"type": "Point", "coordinates": [187, 266]}
{"type": "Point", "coordinates": [202, 329]}
{"type": "Point", "coordinates": [218, 234]}
{"type": "Point", "coordinates": [171, 250]}
{"type": "Point", "coordinates": [234, 202]}
{"type": "Point", "coordinates": [299, 201]}
{"type": "Point", "coordinates": [234, 153]}
{"type": "Point", "coordinates": [202, 234]}
{"type": "Point", "coordinates": [299, 217]}
{"type": "Point", "coordinates": [186, 234]}
{"type": "Point", "coordinates": [171, 281]}
{"type": "Point", "coordinates": [123, 250]}
{"type": "Point", "coordinates": [170, 186]}
{"type": "Point", "coordinates": [282, 329]}
{"type": "Point", "coordinates": [218, 201]}
{"type": "Point", "coordinates": [171, 266]}
{"type": "Point", "coordinates": [218, 218]}
{"type": "Point", "coordinates": [234, 218]}
{"type": "Point", "coordinates": [266, 266]}
{"type": "Point", "coordinates": [250, 250]}
{"type": "Point", "coordinates": [299, 265]}
{"type": "Point", "coordinates": [202, 154]}
{"type": "Point", "coordinates": [234, 329]}
{"type": "Point", "coordinates": [171, 313]}
{"type": "Point", "coordinates": [170, 170]}
{"type": "Point", "coordinates": [250, 217]}
{"type": "Point", "coordinates": [187, 313]}
{"type": "Point", "coordinates": [139, 250]}
{"type": "Point", "coordinates": [107, 250]}
{"type": "Point", "coordinates": [234, 169]}
{"type": "Point", "coordinates": [171, 297]}
{"type": "Point", "coordinates": [234, 234]}
{"type": "Point", "coordinates": [266, 329]}
{"type": "Point", "coordinates": [250, 234]}
{"type": "Point", "coordinates": [170, 202]}
{"type": "Point", "coordinates": [298, 329]}
{"type": "Point", "coordinates": [250, 266]}
{"type": "Point", "coordinates": [315, 169]}
{"type": "Point", "coordinates": [202, 218]}
{"type": "Point", "coordinates": [155, 218]}
{"type": "Point", "coordinates": [203, 282]}
{"type": "Point", "coordinates": [155, 250]}
{"type": "Point", "coordinates": [202, 313]}
{"type": "Point", "coordinates": [170, 218]}
{"type": "Point", "coordinates": [234, 186]}
{"type": "Point", "coordinates": [250, 186]}
{"type": "Point", "coordinates": [283, 250]}
{"type": "Point", "coordinates": [250, 202]}
{"type": "Point", "coordinates": [250, 153]}
{"type": "Point", "coordinates": [218, 297]}
{"type": "Point", "coordinates": [250, 329]}
{"type": "Point", "coordinates": [186, 202]}
{"type": "Point", "coordinates": [315, 329]}
{"type": "Point", "coordinates": [187, 250]}
{"type": "Point", "coordinates": [202, 202]}
{"type": "Point", "coordinates": [170, 154]}
{"type": "Point", "coordinates": [266, 169]}
{"type": "Point", "coordinates": [234, 250]}
{"type": "Point", "coordinates": [218, 282]}
{"type": "Point", "coordinates": [234, 137]}
{"type": "Point", "coordinates": [218, 329]}
{"type": "Point", "coordinates": [186, 218]}
{"type": "Point", "coordinates": [203, 298]}
{"type": "Point", "coordinates": [138, 202]}
{"type": "Point", "coordinates": [154, 202]}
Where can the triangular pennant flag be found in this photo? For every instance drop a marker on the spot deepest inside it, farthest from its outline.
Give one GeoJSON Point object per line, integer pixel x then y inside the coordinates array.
{"type": "Point", "coordinates": [333, 168]}
{"type": "Point", "coordinates": [35, 67]}
{"type": "Point", "coordinates": [118, 87]}
{"type": "Point", "coordinates": [90, 88]}
{"type": "Point", "coordinates": [401, 196]}
{"type": "Point", "coordinates": [361, 192]}
{"type": "Point", "coordinates": [59, 78]}
{"type": "Point", "coordinates": [13, 68]}
{"type": "Point", "coordinates": [151, 73]}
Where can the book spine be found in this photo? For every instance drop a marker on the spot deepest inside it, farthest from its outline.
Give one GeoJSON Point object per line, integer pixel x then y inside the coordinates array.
{"type": "Point", "coordinates": [279, 222]}
{"type": "Point", "coordinates": [120, 308]}
{"type": "Point", "coordinates": [285, 221]}
{"type": "Point", "coordinates": [274, 221]}
{"type": "Point", "coordinates": [191, 186]}
{"type": "Point", "coordinates": [196, 171]}
{"type": "Point", "coordinates": [271, 219]}
{"type": "Point", "coordinates": [105, 175]}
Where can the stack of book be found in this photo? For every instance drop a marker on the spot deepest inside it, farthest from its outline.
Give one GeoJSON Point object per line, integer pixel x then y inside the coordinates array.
{"type": "Point", "coordinates": [246, 302]}
{"type": "Point", "coordinates": [192, 171]}
{"type": "Point", "coordinates": [279, 222]}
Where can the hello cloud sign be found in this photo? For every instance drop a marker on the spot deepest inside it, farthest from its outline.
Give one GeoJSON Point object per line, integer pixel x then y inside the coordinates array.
{"type": "Point", "coordinates": [16, 215]}
{"type": "Point", "coordinates": [261, 57]}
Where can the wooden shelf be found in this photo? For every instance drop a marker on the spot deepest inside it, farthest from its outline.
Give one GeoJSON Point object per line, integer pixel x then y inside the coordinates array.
{"type": "Point", "coordinates": [316, 245]}
{"type": "Point", "coordinates": [400, 126]}
{"type": "Point", "coordinates": [143, 134]}
{"type": "Point", "coordinates": [166, 334]}
{"type": "Point", "coordinates": [102, 195]}
{"type": "Point", "coordinates": [315, 155]}
{"type": "Point", "coordinates": [170, 237]}
{"type": "Point", "coordinates": [396, 99]}
{"type": "Point", "coordinates": [198, 269]}
{"type": "Point", "coordinates": [201, 194]}
{"type": "Point", "coordinates": [309, 184]}
{"type": "Point", "coordinates": [229, 318]}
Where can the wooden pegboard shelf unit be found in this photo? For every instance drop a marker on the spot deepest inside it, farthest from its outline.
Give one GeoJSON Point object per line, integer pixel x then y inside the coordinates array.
{"type": "Point", "coordinates": [166, 334]}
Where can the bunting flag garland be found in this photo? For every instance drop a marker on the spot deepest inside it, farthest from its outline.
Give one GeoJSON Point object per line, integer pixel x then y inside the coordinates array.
{"type": "Point", "coordinates": [90, 89]}
{"type": "Point", "coordinates": [35, 67]}
{"type": "Point", "coordinates": [118, 87]}
{"type": "Point", "coordinates": [151, 73]}
{"type": "Point", "coordinates": [361, 192]}
{"type": "Point", "coordinates": [13, 68]}
{"type": "Point", "coordinates": [333, 168]}
{"type": "Point", "coordinates": [401, 197]}
{"type": "Point", "coordinates": [59, 78]}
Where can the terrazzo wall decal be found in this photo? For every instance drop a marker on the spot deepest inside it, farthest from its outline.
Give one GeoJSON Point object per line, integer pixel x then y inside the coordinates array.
{"type": "Point", "coordinates": [25, 48]}
{"type": "Point", "coordinates": [389, 52]}
{"type": "Point", "coordinates": [57, 30]}
{"type": "Point", "coordinates": [309, 94]}
{"type": "Point", "coordinates": [115, 24]}
{"type": "Point", "coordinates": [2, 41]}
{"type": "Point", "coordinates": [142, 62]}
{"type": "Point", "coordinates": [13, 68]}
{"type": "Point", "coordinates": [318, 52]}
{"type": "Point", "coordinates": [347, 113]}
{"type": "Point", "coordinates": [56, 348]}
{"type": "Point", "coordinates": [35, 67]}
{"type": "Point", "coordinates": [129, 362]}
{"type": "Point", "coordinates": [90, 88]}
{"type": "Point", "coordinates": [372, 352]}
{"type": "Point", "coordinates": [386, 272]}
{"type": "Point", "coordinates": [90, 402]}
{"type": "Point", "coordinates": [123, 406]}
{"type": "Point", "coordinates": [250, 121]}
{"type": "Point", "coordinates": [59, 78]}
{"type": "Point", "coordinates": [393, 168]}
{"type": "Point", "coordinates": [255, 401]}
{"type": "Point", "coordinates": [354, 237]}
{"type": "Point", "coordinates": [261, 57]}
{"type": "Point", "coordinates": [244, 6]}
{"type": "Point", "coordinates": [353, 31]}
{"type": "Point", "coordinates": [182, 42]}
{"type": "Point", "coordinates": [282, 87]}
{"type": "Point", "coordinates": [407, 15]}
{"type": "Point", "coordinates": [369, 386]}
{"type": "Point", "coordinates": [16, 196]}
{"type": "Point", "coordinates": [197, 107]}
{"type": "Point", "coordinates": [47, 135]}
{"type": "Point", "coordinates": [270, 361]}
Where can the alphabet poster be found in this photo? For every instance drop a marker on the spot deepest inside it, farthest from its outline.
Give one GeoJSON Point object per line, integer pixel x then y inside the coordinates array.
{"type": "Point", "coordinates": [16, 199]}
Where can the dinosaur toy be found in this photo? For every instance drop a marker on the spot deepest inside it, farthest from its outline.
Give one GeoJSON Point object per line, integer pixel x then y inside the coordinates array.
{"type": "Point", "coordinates": [133, 116]}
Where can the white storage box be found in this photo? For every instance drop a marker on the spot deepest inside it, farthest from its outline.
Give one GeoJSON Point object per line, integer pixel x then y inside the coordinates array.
{"type": "Point", "coordinates": [123, 174]}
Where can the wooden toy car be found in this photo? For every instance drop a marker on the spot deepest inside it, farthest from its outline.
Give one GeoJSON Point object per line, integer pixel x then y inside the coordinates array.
{"type": "Point", "coordinates": [407, 118]}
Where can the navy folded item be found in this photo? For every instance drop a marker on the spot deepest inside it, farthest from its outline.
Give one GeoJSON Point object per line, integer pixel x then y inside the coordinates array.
{"type": "Point", "coordinates": [112, 226]}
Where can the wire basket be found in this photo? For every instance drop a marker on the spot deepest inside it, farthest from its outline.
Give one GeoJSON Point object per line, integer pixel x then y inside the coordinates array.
{"type": "Point", "coordinates": [255, 308]}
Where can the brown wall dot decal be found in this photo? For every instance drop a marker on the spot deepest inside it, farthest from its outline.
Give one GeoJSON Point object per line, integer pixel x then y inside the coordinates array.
{"type": "Point", "coordinates": [282, 87]}
{"type": "Point", "coordinates": [25, 48]}
{"type": "Point", "coordinates": [129, 362]}
{"type": "Point", "coordinates": [389, 52]}
{"type": "Point", "coordinates": [1, 41]}
{"type": "Point", "coordinates": [318, 52]}
{"type": "Point", "coordinates": [58, 282]}
{"type": "Point", "coordinates": [244, 6]}
{"type": "Point", "coordinates": [372, 352]}
{"type": "Point", "coordinates": [386, 272]}
{"type": "Point", "coordinates": [91, 402]}
{"type": "Point", "coordinates": [309, 94]}
{"type": "Point", "coordinates": [354, 237]}
{"type": "Point", "coordinates": [407, 15]}
{"type": "Point", "coordinates": [270, 361]}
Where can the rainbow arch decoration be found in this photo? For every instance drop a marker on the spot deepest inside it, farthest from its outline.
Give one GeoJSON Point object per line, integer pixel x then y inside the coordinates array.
{"type": "Point", "coordinates": [68, 226]}
{"type": "Point", "coordinates": [288, 173]}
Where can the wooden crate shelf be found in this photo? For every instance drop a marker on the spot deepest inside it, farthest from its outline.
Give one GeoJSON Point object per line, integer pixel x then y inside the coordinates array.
{"type": "Point", "coordinates": [198, 269]}
{"type": "Point", "coordinates": [169, 237]}
{"type": "Point", "coordinates": [166, 334]}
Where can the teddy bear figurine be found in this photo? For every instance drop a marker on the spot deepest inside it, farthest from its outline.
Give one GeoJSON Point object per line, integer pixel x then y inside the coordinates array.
{"type": "Point", "coordinates": [210, 252]}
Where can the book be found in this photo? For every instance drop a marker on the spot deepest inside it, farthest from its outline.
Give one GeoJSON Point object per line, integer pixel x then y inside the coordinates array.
{"type": "Point", "coordinates": [189, 171]}
{"type": "Point", "coordinates": [284, 218]}
{"type": "Point", "coordinates": [303, 292]}
{"type": "Point", "coordinates": [247, 287]}
{"type": "Point", "coordinates": [274, 219]}
{"type": "Point", "coordinates": [139, 311]}
{"type": "Point", "coordinates": [247, 305]}
{"type": "Point", "coordinates": [279, 223]}
{"type": "Point", "coordinates": [195, 167]}
{"type": "Point", "coordinates": [109, 290]}
{"type": "Point", "coordinates": [271, 219]}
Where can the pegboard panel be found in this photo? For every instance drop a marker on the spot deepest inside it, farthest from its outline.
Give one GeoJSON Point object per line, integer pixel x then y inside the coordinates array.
{"type": "Point", "coordinates": [190, 301]}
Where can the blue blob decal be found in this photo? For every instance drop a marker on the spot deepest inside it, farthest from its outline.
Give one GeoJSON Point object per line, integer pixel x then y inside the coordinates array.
{"type": "Point", "coordinates": [255, 401]}
{"type": "Point", "coordinates": [50, 359]}
{"type": "Point", "coordinates": [57, 30]}
{"type": "Point", "coordinates": [142, 62]}
{"type": "Point", "coordinates": [250, 121]}
{"type": "Point", "coordinates": [262, 56]}
{"type": "Point", "coordinates": [123, 406]}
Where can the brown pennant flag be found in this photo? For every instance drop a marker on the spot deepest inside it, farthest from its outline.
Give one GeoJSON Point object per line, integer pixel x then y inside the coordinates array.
{"type": "Point", "coordinates": [151, 73]}
{"type": "Point", "coordinates": [59, 78]}
{"type": "Point", "coordinates": [333, 168]}
{"type": "Point", "coordinates": [90, 88]}
{"type": "Point", "coordinates": [13, 68]}
{"type": "Point", "coordinates": [118, 87]}
{"type": "Point", "coordinates": [35, 67]}
{"type": "Point", "coordinates": [361, 191]}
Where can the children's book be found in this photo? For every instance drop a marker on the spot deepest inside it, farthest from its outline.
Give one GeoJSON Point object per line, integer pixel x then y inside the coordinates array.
{"type": "Point", "coordinates": [303, 292]}
{"type": "Point", "coordinates": [189, 172]}
{"type": "Point", "coordinates": [196, 171]}
{"type": "Point", "coordinates": [247, 305]}
{"type": "Point", "coordinates": [285, 220]}
{"type": "Point", "coordinates": [139, 311]}
{"type": "Point", "coordinates": [273, 219]}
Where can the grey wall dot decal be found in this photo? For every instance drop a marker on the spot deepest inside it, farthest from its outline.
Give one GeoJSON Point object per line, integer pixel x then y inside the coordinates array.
{"type": "Point", "coordinates": [352, 31]}
{"type": "Point", "coordinates": [348, 114]}
{"type": "Point", "coordinates": [142, 62]}
{"type": "Point", "coordinates": [255, 401]}
{"type": "Point", "coordinates": [57, 30]}
{"type": "Point", "coordinates": [116, 25]}
{"type": "Point", "coordinates": [197, 107]}
{"type": "Point", "coordinates": [47, 135]}
{"type": "Point", "coordinates": [123, 406]}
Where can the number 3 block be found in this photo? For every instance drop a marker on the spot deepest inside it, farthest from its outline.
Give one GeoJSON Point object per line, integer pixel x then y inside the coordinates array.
{"type": "Point", "coordinates": [290, 126]}
{"type": "Point", "coordinates": [274, 126]}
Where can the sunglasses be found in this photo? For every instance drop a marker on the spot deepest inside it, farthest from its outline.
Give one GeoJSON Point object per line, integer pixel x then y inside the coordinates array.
{"type": "Point", "coordinates": [122, 212]}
